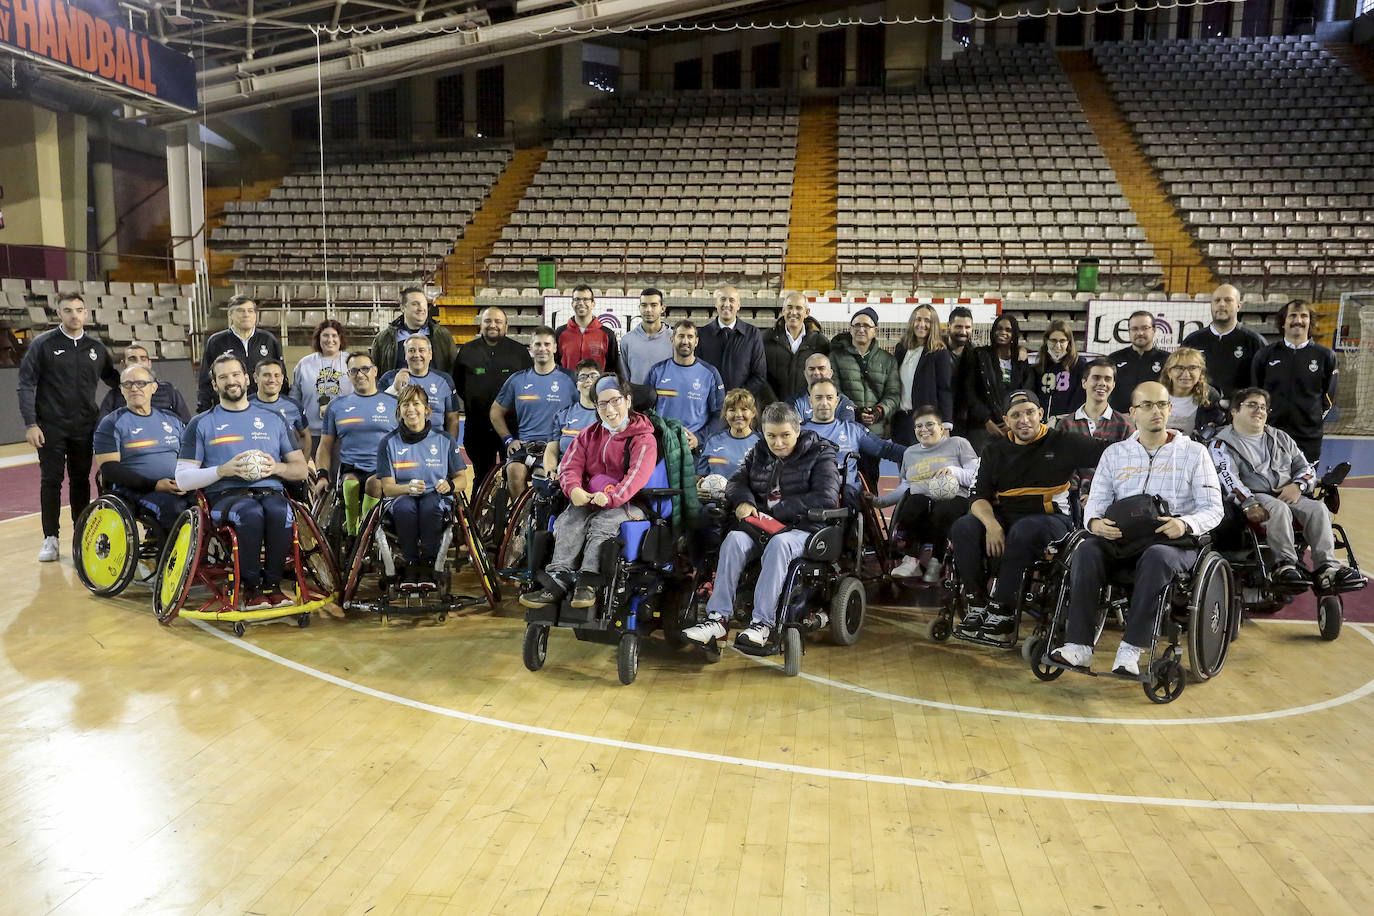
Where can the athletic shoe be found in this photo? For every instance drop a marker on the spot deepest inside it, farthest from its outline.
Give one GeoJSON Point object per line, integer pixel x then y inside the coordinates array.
{"type": "Point", "coordinates": [48, 552]}
{"type": "Point", "coordinates": [583, 596]}
{"type": "Point", "coordinates": [1290, 575]}
{"type": "Point", "coordinates": [256, 601]}
{"type": "Point", "coordinates": [998, 621]}
{"type": "Point", "coordinates": [756, 635]}
{"type": "Point", "coordinates": [934, 570]}
{"type": "Point", "coordinates": [542, 598]}
{"type": "Point", "coordinates": [703, 634]}
{"type": "Point", "coordinates": [1073, 654]}
{"type": "Point", "coordinates": [973, 620]}
{"type": "Point", "coordinates": [278, 598]}
{"type": "Point", "coordinates": [1348, 578]}
{"type": "Point", "coordinates": [1127, 660]}
{"type": "Point", "coordinates": [909, 568]}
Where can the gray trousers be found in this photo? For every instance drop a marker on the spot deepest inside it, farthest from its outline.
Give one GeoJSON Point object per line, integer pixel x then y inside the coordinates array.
{"type": "Point", "coordinates": [1155, 568]}
{"type": "Point", "coordinates": [582, 530]}
{"type": "Point", "coordinates": [1316, 528]}
{"type": "Point", "coordinates": [777, 556]}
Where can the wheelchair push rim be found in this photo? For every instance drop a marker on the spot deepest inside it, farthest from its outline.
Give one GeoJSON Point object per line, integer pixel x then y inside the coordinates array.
{"type": "Point", "coordinates": [106, 546]}
{"type": "Point", "coordinates": [1209, 625]}
{"type": "Point", "coordinates": [177, 566]}
{"type": "Point", "coordinates": [491, 586]}
{"type": "Point", "coordinates": [315, 562]}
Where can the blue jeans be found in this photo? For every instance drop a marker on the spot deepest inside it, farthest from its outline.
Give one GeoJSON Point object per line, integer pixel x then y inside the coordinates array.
{"type": "Point", "coordinates": [781, 550]}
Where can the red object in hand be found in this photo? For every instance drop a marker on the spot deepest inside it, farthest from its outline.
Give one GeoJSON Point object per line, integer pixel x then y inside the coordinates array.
{"type": "Point", "coordinates": [765, 523]}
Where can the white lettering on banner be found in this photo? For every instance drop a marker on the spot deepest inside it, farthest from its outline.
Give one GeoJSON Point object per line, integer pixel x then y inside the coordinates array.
{"type": "Point", "coordinates": [1109, 320]}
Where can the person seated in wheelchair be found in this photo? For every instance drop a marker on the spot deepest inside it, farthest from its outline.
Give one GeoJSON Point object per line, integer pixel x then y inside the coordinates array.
{"type": "Point", "coordinates": [723, 453]}
{"type": "Point", "coordinates": [926, 512]}
{"type": "Point", "coordinates": [1019, 506]}
{"type": "Point", "coordinates": [851, 439]}
{"type": "Point", "coordinates": [419, 469]}
{"type": "Point", "coordinates": [1262, 470]}
{"type": "Point", "coordinates": [574, 418]}
{"type": "Point", "coordinates": [783, 477]}
{"type": "Point", "coordinates": [136, 450]}
{"type": "Point", "coordinates": [356, 424]}
{"type": "Point", "coordinates": [240, 454]}
{"type": "Point", "coordinates": [536, 396]}
{"type": "Point", "coordinates": [1158, 461]}
{"type": "Point", "coordinates": [603, 470]}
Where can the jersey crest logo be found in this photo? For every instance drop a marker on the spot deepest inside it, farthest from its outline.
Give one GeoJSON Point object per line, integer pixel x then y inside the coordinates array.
{"type": "Point", "coordinates": [554, 388]}
{"type": "Point", "coordinates": [262, 350]}
{"type": "Point", "coordinates": [696, 385]}
{"type": "Point", "coordinates": [1154, 367]}
{"type": "Point", "coordinates": [381, 408]}
{"type": "Point", "coordinates": [167, 427]}
{"type": "Point", "coordinates": [1312, 366]}
{"type": "Point", "coordinates": [434, 449]}
{"type": "Point", "coordinates": [1239, 352]}
{"type": "Point", "coordinates": [91, 354]}
{"type": "Point", "coordinates": [257, 422]}
{"type": "Point", "coordinates": [433, 388]}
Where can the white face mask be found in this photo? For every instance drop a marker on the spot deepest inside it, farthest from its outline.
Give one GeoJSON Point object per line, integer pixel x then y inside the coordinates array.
{"type": "Point", "coordinates": [1057, 350]}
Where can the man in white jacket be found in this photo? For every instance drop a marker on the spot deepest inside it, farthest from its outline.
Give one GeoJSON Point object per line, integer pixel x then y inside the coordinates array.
{"type": "Point", "coordinates": [1161, 462]}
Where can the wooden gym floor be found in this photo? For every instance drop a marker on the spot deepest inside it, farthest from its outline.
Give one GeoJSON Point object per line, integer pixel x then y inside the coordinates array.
{"type": "Point", "coordinates": [350, 768]}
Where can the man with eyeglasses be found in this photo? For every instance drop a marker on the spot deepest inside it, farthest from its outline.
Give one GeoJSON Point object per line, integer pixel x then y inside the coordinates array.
{"type": "Point", "coordinates": [688, 389]}
{"type": "Point", "coordinates": [648, 343]}
{"type": "Point", "coordinates": [871, 378]}
{"type": "Point", "coordinates": [1262, 470]}
{"type": "Point", "coordinates": [585, 337]}
{"type": "Point", "coordinates": [481, 368]}
{"type": "Point", "coordinates": [1019, 505]}
{"type": "Point", "coordinates": [136, 451]}
{"type": "Point", "coordinates": [1162, 462]}
{"type": "Point", "coordinates": [536, 396]}
{"type": "Point", "coordinates": [1141, 362]}
{"type": "Point", "coordinates": [57, 379]}
{"type": "Point", "coordinates": [244, 339]}
{"type": "Point", "coordinates": [1228, 346]}
{"type": "Point", "coordinates": [734, 346]}
{"type": "Point", "coordinates": [1300, 376]}
{"type": "Point", "coordinates": [851, 440]}
{"type": "Point", "coordinates": [576, 417]}
{"type": "Point", "coordinates": [388, 347]}
{"type": "Point", "coordinates": [818, 367]}
{"type": "Point", "coordinates": [166, 397]}
{"type": "Point", "coordinates": [356, 424]}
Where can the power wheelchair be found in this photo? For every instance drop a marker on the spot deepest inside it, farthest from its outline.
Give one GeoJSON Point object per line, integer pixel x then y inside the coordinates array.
{"type": "Point", "coordinates": [1200, 609]}
{"type": "Point", "coordinates": [201, 553]}
{"type": "Point", "coordinates": [376, 555]}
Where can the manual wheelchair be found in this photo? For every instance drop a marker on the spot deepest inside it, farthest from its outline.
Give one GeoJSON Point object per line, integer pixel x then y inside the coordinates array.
{"type": "Point", "coordinates": [200, 553]}
{"type": "Point", "coordinates": [115, 543]}
{"type": "Point", "coordinates": [1200, 609]}
{"type": "Point", "coordinates": [376, 554]}
{"type": "Point", "coordinates": [1244, 545]}
{"type": "Point", "coordinates": [492, 505]}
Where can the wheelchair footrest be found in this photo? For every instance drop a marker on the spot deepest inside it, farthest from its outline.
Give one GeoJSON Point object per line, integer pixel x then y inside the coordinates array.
{"type": "Point", "coordinates": [770, 648]}
{"type": "Point", "coordinates": [996, 642]}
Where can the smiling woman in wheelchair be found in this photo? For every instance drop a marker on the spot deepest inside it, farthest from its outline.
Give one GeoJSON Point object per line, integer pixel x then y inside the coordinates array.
{"type": "Point", "coordinates": [419, 469]}
{"type": "Point", "coordinates": [783, 477]}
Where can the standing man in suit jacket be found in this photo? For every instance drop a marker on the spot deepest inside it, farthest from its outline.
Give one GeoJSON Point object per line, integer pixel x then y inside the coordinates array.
{"type": "Point", "coordinates": [733, 346]}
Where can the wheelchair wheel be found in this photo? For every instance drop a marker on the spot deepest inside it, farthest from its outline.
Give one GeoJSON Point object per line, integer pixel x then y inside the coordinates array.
{"type": "Point", "coordinates": [362, 556]}
{"type": "Point", "coordinates": [847, 609]}
{"type": "Point", "coordinates": [317, 560]}
{"type": "Point", "coordinates": [791, 651]}
{"type": "Point", "coordinates": [491, 585]}
{"type": "Point", "coordinates": [1330, 612]}
{"type": "Point", "coordinates": [940, 629]}
{"type": "Point", "coordinates": [1209, 626]}
{"type": "Point", "coordinates": [627, 658]}
{"type": "Point", "coordinates": [176, 569]}
{"type": "Point", "coordinates": [513, 553]}
{"type": "Point", "coordinates": [1167, 685]}
{"type": "Point", "coordinates": [105, 547]}
{"type": "Point", "coordinates": [490, 509]}
{"type": "Point", "coordinates": [536, 648]}
{"type": "Point", "coordinates": [1033, 651]}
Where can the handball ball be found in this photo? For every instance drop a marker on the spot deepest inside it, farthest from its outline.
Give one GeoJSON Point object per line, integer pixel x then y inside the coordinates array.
{"type": "Point", "coordinates": [943, 486]}
{"type": "Point", "coordinates": [261, 462]}
{"type": "Point", "coordinates": [714, 486]}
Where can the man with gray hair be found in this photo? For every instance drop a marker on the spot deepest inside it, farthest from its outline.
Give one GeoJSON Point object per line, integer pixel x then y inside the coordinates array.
{"type": "Point", "coordinates": [789, 472]}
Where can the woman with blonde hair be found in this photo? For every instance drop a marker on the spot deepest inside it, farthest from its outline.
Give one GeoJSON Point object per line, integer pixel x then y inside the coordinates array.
{"type": "Point", "coordinates": [926, 368]}
{"type": "Point", "coordinates": [1198, 409]}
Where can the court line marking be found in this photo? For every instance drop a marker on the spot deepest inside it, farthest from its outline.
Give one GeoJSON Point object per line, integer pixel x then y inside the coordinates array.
{"type": "Point", "coordinates": [16, 461]}
{"type": "Point", "coordinates": [794, 768]}
{"type": "Point", "coordinates": [1358, 693]}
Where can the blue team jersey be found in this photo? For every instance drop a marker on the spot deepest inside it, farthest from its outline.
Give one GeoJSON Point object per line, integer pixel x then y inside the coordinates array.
{"type": "Point", "coordinates": [844, 410]}
{"type": "Point", "coordinates": [146, 445]}
{"type": "Point", "coordinates": [432, 459]}
{"type": "Point", "coordinates": [851, 437]}
{"type": "Point", "coordinates": [358, 422]}
{"type": "Point", "coordinates": [287, 409]}
{"type": "Point", "coordinates": [439, 390]}
{"type": "Point", "coordinates": [723, 453]}
{"type": "Point", "coordinates": [693, 394]}
{"type": "Point", "coordinates": [537, 401]}
{"type": "Point", "coordinates": [218, 434]}
{"type": "Point", "coordinates": [572, 420]}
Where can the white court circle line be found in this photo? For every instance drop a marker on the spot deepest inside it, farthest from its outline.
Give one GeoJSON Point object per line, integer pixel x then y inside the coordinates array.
{"type": "Point", "coordinates": [798, 769]}
{"type": "Point", "coordinates": [1360, 692]}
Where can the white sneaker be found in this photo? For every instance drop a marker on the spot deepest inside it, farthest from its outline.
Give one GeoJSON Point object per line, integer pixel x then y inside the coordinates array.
{"type": "Point", "coordinates": [703, 634]}
{"type": "Point", "coordinates": [48, 552]}
{"type": "Point", "coordinates": [757, 634]}
{"type": "Point", "coordinates": [909, 568]}
{"type": "Point", "coordinates": [1127, 659]}
{"type": "Point", "coordinates": [934, 569]}
{"type": "Point", "coordinates": [1076, 654]}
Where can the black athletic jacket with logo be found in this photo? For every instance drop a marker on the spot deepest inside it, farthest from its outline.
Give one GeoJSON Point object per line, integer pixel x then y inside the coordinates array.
{"type": "Point", "coordinates": [1034, 478]}
{"type": "Point", "coordinates": [1133, 368]}
{"type": "Point", "coordinates": [260, 346]}
{"type": "Point", "coordinates": [57, 382]}
{"type": "Point", "coordinates": [1301, 384]}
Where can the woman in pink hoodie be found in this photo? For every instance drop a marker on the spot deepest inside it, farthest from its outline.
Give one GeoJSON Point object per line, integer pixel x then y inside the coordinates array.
{"type": "Point", "coordinates": [607, 464]}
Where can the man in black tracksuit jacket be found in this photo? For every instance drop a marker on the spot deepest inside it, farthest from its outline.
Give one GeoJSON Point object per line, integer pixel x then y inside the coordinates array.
{"type": "Point", "coordinates": [57, 401]}
{"type": "Point", "coordinates": [1228, 346]}
{"type": "Point", "coordinates": [245, 340]}
{"type": "Point", "coordinates": [1300, 376]}
{"type": "Point", "coordinates": [1020, 505]}
{"type": "Point", "coordinates": [482, 366]}
{"type": "Point", "coordinates": [1140, 362]}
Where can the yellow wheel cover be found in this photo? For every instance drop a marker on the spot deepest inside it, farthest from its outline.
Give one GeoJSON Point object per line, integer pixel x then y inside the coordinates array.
{"type": "Point", "coordinates": [104, 547]}
{"type": "Point", "coordinates": [177, 558]}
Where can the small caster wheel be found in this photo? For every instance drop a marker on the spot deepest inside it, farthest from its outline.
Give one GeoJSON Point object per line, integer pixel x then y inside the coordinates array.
{"type": "Point", "coordinates": [536, 646]}
{"type": "Point", "coordinates": [1329, 614]}
{"type": "Point", "coordinates": [385, 619]}
{"type": "Point", "coordinates": [441, 617]}
{"type": "Point", "coordinates": [1167, 685]}
{"type": "Point", "coordinates": [940, 629]}
{"type": "Point", "coordinates": [302, 620]}
{"type": "Point", "coordinates": [239, 628]}
{"type": "Point", "coordinates": [791, 652]}
{"type": "Point", "coordinates": [1033, 651]}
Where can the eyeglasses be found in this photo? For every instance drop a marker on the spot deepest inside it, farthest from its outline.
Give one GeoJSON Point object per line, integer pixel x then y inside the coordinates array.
{"type": "Point", "coordinates": [609, 402]}
{"type": "Point", "coordinates": [1151, 405]}
{"type": "Point", "coordinates": [588, 377]}
{"type": "Point", "coordinates": [1180, 370]}
{"type": "Point", "coordinates": [360, 371]}
{"type": "Point", "coordinates": [135, 386]}
{"type": "Point", "coordinates": [927, 425]}
{"type": "Point", "coordinates": [863, 324]}
{"type": "Point", "coordinates": [1256, 405]}
{"type": "Point", "coordinates": [583, 299]}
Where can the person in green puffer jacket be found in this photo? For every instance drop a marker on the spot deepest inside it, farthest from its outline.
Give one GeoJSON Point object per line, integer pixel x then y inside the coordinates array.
{"type": "Point", "coordinates": [681, 468]}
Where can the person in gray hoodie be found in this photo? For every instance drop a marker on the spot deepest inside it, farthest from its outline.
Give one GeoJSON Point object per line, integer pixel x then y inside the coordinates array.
{"type": "Point", "coordinates": [1263, 470]}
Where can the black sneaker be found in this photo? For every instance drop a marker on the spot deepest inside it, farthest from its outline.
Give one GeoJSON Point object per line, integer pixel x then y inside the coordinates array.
{"type": "Point", "coordinates": [583, 596]}
{"type": "Point", "coordinates": [542, 598]}
{"type": "Point", "coordinates": [998, 622]}
{"type": "Point", "coordinates": [1346, 578]}
{"type": "Point", "coordinates": [1290, 576]}
{"type": "Point", "coordinates": [973, 620]}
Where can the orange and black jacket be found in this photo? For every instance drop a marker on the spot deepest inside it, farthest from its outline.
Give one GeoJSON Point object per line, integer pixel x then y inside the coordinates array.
{"type": "Point", "coordinates": [1034, 478]}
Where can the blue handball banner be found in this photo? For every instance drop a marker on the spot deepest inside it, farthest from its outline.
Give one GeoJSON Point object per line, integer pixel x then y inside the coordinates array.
{"type": "Point", "coordinates": [52, 32]}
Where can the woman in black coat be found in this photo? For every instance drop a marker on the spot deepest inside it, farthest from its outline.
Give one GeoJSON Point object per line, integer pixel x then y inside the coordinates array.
{"type": "Point", "coordinates": [995, 371]}
{"type": "Point", "coordinates": [926, 368]}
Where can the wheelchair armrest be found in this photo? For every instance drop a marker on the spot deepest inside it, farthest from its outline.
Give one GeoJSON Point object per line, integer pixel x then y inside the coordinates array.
{"type": "Point", "coordinates": [659, 492]}
{"type": "Point", "coordinates": [825, 515]}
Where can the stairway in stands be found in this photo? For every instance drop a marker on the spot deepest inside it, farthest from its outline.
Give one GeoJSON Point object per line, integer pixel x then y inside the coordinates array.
{"type": "Point", "coordinates": [1163, 226]}
{"type": "Point", "coordinates": [811, 228]}
{"type": "Point", "coordinates": [456, 305]}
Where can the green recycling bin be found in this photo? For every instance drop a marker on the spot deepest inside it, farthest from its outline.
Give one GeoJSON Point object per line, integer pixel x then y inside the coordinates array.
{"type": "Point", "coordinates": [548, 272]}
{"type": "Point", "coordinates": [1087, 275]}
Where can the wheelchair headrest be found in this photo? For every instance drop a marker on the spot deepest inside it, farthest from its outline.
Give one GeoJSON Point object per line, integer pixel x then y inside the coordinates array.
{"type": "Point", "coordinates": [643, 398]}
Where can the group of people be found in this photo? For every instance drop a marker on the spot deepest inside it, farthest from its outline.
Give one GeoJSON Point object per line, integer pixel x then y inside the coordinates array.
{"type": "Point", "coordinates": [997, 448]}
